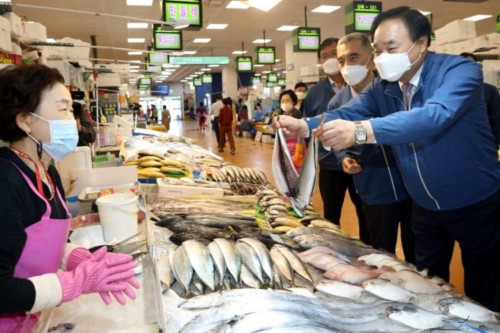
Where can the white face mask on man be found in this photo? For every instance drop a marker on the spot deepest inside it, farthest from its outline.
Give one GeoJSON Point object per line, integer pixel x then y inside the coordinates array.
{"type": "Point", "coordinates": [391, 66]}
{"type": "Point", "coordinates": [63, 137]}
{"type": "Point", "coordinates": [330, 66]}
{"type": "Point", "coordinates": [301, 95]}
{"type": "Point", "coordinates": [354, 74]}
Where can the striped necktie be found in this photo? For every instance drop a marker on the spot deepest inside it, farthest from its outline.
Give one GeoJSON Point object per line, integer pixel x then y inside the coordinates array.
{"type": "Point", "coordinates": [408, 93]}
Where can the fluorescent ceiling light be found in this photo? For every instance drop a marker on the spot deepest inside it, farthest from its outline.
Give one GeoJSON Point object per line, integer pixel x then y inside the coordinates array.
{"type": "Point", "coordinates": [287, 27]}
{"type": "Point", "coordinates": [206, 69]}
{"type": "Point", "coordinates": [158, 81]}
{"type": "Point", "coordinates": [424, 12]}
{"type": "Point", "coordinates": [237, 5]}
{"type": "Point", "coordinates": [258, 65]}
{"type": "Point", "coordinates": [202, 40]}
{"type": "Point", "coordinates": [477, 17]}
{"type": "Point", "coordinates": [181, 26]}
{"type": "Point", "coordinates": [198, 73]}
{"type": "Point", "coordinates": [134, 71]}
{"type": "Point", "coordinates": [214, 26]}
{"type": "Point", "coordinates": [136, 40]}
{"type": "Point", "coordinates": [266, 72]}
{"type": "Point", "coordinates": [256, 74]}
{"type": "Point", "coordinates": [264, 5]}
{"type": "Point", "coordinates": [134, 53]}
{"type": "Point", "coordinates": [190, 52]}
{"type": "Point", "coordinates": [213, 65]}
{"type": "Point", "coordinates": [277, 60]}
{"type": "Point", "coordinates": [135, 66]}
{"type": "Point", "coordinates": [325, 9]}
{"type": "Point", "coordinates": [139, 2]}
{"type": "Point", "coordinates": [135, 61]}
{"type": "Point", "coordinates": [261, 41]}
{"type": "Point", "coordinates": [137, 25]}
{"type": "Point", "coordinates": [239, 52]}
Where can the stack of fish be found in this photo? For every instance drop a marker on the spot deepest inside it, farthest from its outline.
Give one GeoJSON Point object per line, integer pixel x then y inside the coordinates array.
{"type": "Point", "coordinates": [154, 165]}
{"type": "Point", "coordinates": [194, 268]}
{"type": "Point", "coordinates": [231, 173]}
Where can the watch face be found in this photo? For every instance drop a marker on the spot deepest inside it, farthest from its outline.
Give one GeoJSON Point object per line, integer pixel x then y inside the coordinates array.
{"type": "Point", "coordinates": [360, 134]}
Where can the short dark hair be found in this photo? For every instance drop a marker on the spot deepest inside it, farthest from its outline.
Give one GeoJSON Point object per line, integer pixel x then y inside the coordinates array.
{"type": "Point", "coordinates": [290, 93]}
{"type": "Point", "coordinates": [227, 101]}
{"type": "Point", "coordinates": [21, 89]}
{"type": "Point", "coordinates": [77, 110]}
{"type": "Point", "coordinates": [327, 42]}
{"type": "Point", "coordinates": [468, 55]}
{"type": "Point", "coordinates": [417, 24]}
{"type": "Point", "coordinates": [300, 85]}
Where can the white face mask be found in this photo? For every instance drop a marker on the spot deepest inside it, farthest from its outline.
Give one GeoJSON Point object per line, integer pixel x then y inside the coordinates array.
{"type": "Point", "coordinates": [391, 66]}
{"type": "Point", "coordinates": [354, 74]}
{"type": "Point", "coordinates": [63, 138]}
{"type": "Point", "coordinates": [301, 95]}
{"type": "Point", "coordinates": [286, 107]}
{"type": "Point", "coordinates": [330, 66]}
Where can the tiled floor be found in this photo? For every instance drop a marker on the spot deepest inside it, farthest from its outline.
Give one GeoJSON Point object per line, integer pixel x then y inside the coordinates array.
{"type": "Point", "coordinates": [258, 155]}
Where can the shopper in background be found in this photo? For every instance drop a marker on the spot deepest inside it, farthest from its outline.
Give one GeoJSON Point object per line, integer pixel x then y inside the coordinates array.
{"type": "Point", "coordinates": [214, 114]}
{"type": "Point", "coordinates": [259, 112]}
{"type": "Point", "coordinates": [296, 146]}
{"type": "Point", "coordinates": [301, 92]}
{"type": "Point", "coordinates": [226, 125]}
{"type": "Point", "coordinates": [86, 132]}
{"type": "Point", "coordinates": [154, 114]}
{"type": "Point", "coordinates": [439, 132]}
{"type": "Point", "coordinates": [492, 99]}
{"type": "Point", "coordinates": [165, 118]}
{"type": "Point", "coordinates": [37, 122]}
{"type": "Point", "coordinates": [376, 177]}
{"type": "Point", "coordinates": [201, 114]}
{"type": "Point", "coordinates": [333, 182]}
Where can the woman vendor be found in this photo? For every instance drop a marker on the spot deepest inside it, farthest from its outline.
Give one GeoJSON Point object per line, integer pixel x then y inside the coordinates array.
{"type": "Point", "coordinates": [38, 268]}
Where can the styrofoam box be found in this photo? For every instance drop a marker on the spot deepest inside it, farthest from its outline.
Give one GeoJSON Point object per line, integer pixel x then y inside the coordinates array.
{"type": "Point", "coordinates": [4, 24]}
{"type": "Point", "coordinates": [34, 31]}
{"type": "Point", "coordinates": [80, 51]}
{"type": "Point", "coordinates": [16, 25]}
{"type": "Point", "coordinates": [266, 138]}
{"type": "Point", "coordinates": [16, 49]}
{"type": "Point", "coordinates": [168, 190]}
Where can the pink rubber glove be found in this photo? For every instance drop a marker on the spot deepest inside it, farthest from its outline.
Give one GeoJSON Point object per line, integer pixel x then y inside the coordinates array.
{"type": "Point", "coordinates": [118, 295]}
{"type": "Point", "coordinates": [97, 274]}
{"type": "Point", "coordinates": [77, 256]}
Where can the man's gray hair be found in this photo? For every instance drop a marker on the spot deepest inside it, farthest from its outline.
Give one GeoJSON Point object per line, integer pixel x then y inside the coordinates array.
{"type": "Point", "coordinates": [365, 40]}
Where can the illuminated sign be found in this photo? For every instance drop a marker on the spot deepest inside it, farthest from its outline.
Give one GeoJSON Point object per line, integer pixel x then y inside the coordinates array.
{"type": "Point", "coordinates": [206, 78]}
{"type": "Point", "coordinates": [145, 81]}
{"type": "Point", "coordinates": [306, 39]}
{"type": "Point", "coordinates": [157, 58]}
{"type": "Point", "coordinates": [198, 60]}
{"type": "Point", "coordinates": [197, 82]}
{"type": "Point", "coordinates": [159, 90]}
{"type": "Point", "coordinates": [255, 79]}
{"type": "Point", "coordinates": [272, 77]}
{"type": "Point", "coordinates": [183, 12]}
{"type": "Point", "coordinates": [266, 55]}
{"type": "Point", "coordinates": [281, 82]}
{"type": "Point", "coordinates": [167, 40]}
{"type": "Point", "coordinates": [359, 15]}
{"type": "Point", "coordinates": [153, 68]}
{"type": "Point", "coordinates": [244, 64]}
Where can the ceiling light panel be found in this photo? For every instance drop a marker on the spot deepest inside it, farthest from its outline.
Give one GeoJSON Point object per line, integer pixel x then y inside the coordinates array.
{"type": "Point", "coordinates": [287, 27]}
{"type": "Point", "coordinates": [202, 40]}
{"type": "Point", "coordinates": [239, 52]}
{"type": "Point", "coordinates": [261, 41]}
{"type": "Point", "coordinates": [137, 25]}
{"type": "Point", "coordinates": [237, 5]}
{"type": "Point", "coordinates": [264, 5]}
{"type": "Point", "coordinates": [134, 53]}
{"type": "Point", "coordinates": [139, 2]}
{"type": "Point", "coordinates": [477, 17]}
{"type": "Point", "coordinates": [214, 26]}
{"type": "Point", "coordinates": [325, 9]}
{"type": "Point", "coordinates": [136, 40]}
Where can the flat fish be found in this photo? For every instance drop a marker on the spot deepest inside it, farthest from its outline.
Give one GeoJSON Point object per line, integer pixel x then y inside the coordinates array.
{"type": "Point", "coordinates": [414, 317]}
{"type": "Point", "coordinates": [285, 175]}
{"type": "Point", "coordinates": [321, 260]}
{"type": "Point", "coordinates": [412, 281]}
{"type": "Point", "coordinates": [458, 307]}
{"type": "Point", "coordinates": [388, 290]}
{"type": "Point", "coordinates": [350, 274]}
{"type": "Point", "coordinates": [202, 262]}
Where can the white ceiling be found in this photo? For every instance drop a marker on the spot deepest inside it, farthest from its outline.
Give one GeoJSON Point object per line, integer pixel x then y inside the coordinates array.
{"type": "Point", "coordinates": [244, 25]}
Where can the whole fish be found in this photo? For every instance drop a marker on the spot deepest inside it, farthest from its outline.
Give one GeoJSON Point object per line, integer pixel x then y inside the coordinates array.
{"type": "Point", "coordinates": [321, 260]}
{"type": "Point", "coordinates": [201, 261]}
{"type": "Point", "coordinates": [325, 224]}
{"type": "Point", "coordinates": [295, 262]}
{"type": "Point", "coordinates": [182, 269]}
{"type": "Point", "coordinates": [317, 231]}
{"type": "Point", "coordinates": [350, 274]}
{"type": "Point", "coordinates": [233, 261]}
{"type": "Point", "coordinates": [345, 247]}
{"type": "Point", "coordinates": [250, 259]}
{"type": "Point", "coordinates": [285, 175]}
{"type": "Point", "coordinates": [341, 289]}
{"type": "Point", "coordinates": [282, 263]}
{"type": "Point", "coordinates": [313, 252]}
{"type": "Point", "coordinates": [414, 317]}
{"type": "Point", "coordinates": [164, 269]}
{"type": "Point", "coordinates": [248, 279]}
{"type": "Point", "coordinates": [286, 221]}
{"type": "Point", "coordinates": [298, 329]}
{"type": "Point", "coordinates": [388, 290]}
{"type": "Point", "coordinates": [412, 281]}
{"type": "Point", "coordinates": [458, 307]}
{"type": "Point", "coordinates": [263, 254]}
{"type": "Point", "coordinates": [218, 259]}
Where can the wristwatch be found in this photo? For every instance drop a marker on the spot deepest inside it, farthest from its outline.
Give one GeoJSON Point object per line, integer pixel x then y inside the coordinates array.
{"type": "Point", "coordinates": [360, 136]}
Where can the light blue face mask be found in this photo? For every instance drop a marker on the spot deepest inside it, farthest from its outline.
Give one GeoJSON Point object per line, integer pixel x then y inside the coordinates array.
{"type": "Point", "coordinates": [63, 138]}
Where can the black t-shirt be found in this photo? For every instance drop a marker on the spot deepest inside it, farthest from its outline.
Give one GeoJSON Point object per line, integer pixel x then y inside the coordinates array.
{"type": "Point", "coordinates": [19, 208]}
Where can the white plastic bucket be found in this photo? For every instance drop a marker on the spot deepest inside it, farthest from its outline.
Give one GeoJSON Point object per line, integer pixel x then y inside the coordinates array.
{"type": "Point", "coordinates": [118, 214]}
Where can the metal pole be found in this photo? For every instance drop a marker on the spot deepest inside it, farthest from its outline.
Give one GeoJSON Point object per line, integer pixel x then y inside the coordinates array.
{"type": "Point", "coordinates": [305, 15]}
